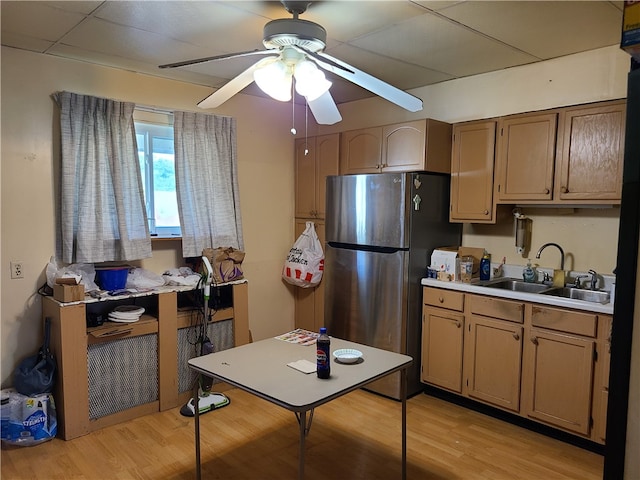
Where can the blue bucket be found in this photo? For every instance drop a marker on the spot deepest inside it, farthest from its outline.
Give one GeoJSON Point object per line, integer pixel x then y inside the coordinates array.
{"type": "Point", "coordinates": [112, 278]}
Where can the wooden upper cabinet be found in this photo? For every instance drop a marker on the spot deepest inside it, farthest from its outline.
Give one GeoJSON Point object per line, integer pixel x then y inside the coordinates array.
{"type": "Point", "coordinates": [590, 156]}
{"type": "Point", "coordinates": [525, 157]}
{"type": "Point", "coordinates": [316, 158]}
{"type": "Point", "coordinates": [414, 146]}
{"type": "Point", "coordinates": [421, 145]}
{"type": "Point", "coordinates": [361, 151]}
{"type": "Point", "coordinates": [472, 172]}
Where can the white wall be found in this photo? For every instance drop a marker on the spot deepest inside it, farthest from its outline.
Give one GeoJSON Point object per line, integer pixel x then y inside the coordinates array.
{"type": "Point", "coordinates": [588, 236]}
{"type": "Point", "coordinates": [265, 168]}
{"type": "Point", "coordinates": [29, 181]}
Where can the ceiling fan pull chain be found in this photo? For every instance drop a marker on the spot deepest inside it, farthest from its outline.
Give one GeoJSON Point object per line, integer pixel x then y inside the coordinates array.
{"type": "Point", "coordinates": [306, 126]}
{"type": "Point", "coordinates": [293, 112]}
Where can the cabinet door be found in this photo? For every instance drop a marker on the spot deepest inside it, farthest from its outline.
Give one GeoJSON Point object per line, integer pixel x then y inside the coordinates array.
{"type": "Point", "coordinates": [601, 382]}
{"type": "Point", "coordinates": [526, 155]}
{"type": "Point", "coordinates": [472, 172]}
{"type": "Point", "coordinates": [309, 302]}
{"type": "Point", "coordinates": [305, 177]}
{"type": "Point", "coordinates": [493, 360]}
{"type": "Point", "coordinates": [327, 160]}
{"type": "Point", "coordinates": [361, 151]}
{"type": "Point", "coordinates": [403, 147]}
{"type": "Point", "coordinates": [558, 379]}
{"type": "Point", "coordinates": [591, 153]}
{"type": "Point", "coordinates": [442, 340]}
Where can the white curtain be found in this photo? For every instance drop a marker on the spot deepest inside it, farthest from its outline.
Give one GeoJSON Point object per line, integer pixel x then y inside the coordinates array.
{"type": "Point", "coordinates": [207, 182]}
{"type": "Point", "coordinates": [102, 211]}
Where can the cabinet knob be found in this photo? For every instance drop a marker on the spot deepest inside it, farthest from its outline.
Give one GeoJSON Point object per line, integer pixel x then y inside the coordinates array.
{"type": "Point", "coordinates": [564, 189]}
{"type": "Point", "coordinates": [534, 340]}
{"type": "Point", "coordinates": [441, 300]}
{"type": "Point", "coordinates": [546, 190]}
{"type": "Point", "coordinates": [486, 212]}
{"type": "Point", "coordinates": [458, 324]}
{"type": "Point", "coordinates": [516, 336]}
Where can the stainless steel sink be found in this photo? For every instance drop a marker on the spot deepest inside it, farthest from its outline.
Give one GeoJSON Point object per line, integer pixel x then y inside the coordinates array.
{"type": "Point", "coordinates": [517, 286]}
{"type": "Point", "coordinates": [578, 294]}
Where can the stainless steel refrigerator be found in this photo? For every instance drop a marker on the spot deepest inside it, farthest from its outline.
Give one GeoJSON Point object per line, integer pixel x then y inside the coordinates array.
{"type": "Point", "coordinates": [380, 232]}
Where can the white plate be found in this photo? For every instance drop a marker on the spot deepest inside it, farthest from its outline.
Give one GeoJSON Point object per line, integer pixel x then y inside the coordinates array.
{"type": "Point", "coordinates": [347, 355]}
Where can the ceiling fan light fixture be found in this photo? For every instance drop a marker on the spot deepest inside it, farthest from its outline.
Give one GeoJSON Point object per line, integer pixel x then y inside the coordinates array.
{"type": "Point", "coordinates": [274, 78]}
{"type": "Point", "coordinates": [310, 80]}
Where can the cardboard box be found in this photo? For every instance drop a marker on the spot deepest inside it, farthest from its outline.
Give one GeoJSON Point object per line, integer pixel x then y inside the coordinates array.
{"type": "Point", "coordinates": [68, 293]}
{"type": "Point", "coordinates": [630, 41]}
{"type": "Point", "coordinates": [446, 261]}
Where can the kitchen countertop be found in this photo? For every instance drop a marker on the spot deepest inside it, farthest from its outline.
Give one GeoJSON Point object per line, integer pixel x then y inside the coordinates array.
{"type": "Point", "coordinates": [606, 308]}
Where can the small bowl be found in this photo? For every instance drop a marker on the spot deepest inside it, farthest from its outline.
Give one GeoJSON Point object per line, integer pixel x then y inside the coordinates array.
{"type": "Point", "coordinates": [347, 355]}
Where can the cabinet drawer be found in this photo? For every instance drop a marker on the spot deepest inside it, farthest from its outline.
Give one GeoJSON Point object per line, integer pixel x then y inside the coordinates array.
{"type": "Point", "coordinates": [578, 323]}
{"type": "Point", "coordinates": [443, 298]}
{"type": "Point", "coordinates": [497, 308]}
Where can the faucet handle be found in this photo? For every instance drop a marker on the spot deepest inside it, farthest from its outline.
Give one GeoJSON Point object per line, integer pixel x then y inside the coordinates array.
{"type": "Point", "coordinates": [576, 282]}
{"type": "Point", "coordinates": [594, 279]}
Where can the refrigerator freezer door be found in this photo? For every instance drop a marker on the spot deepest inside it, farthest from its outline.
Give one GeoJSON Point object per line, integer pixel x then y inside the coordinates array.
{"type": "Point", "coordinates": [368, 209]}
{"type": "Point", "coordinates": [366, 295]}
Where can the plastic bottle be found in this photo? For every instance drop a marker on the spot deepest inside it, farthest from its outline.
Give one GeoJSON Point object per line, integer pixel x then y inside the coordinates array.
{"type": "Point", "coordinates": [485, 267]}
{"type": "Point", "coordinates": [529, 273]}
{"type": "Point", "coordinates": [323, 348]}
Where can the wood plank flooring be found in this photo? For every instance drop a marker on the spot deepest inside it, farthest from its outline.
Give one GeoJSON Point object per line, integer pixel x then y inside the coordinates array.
{"type": "Point", "coordinates": [354, 437]}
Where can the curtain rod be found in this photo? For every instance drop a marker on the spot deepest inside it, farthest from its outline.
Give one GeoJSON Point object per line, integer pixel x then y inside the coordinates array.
{"type": "Point", "coordinates": [152, 109]}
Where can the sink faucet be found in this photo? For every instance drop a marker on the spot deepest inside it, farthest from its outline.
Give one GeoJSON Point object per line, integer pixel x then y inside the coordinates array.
{"type": "Point", "coordinates": [594, 279]}
{"type": "Point", "coordinates": [553, 245]}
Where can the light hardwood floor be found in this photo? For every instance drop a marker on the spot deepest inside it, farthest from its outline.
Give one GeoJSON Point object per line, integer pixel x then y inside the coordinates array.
{"type": "Point", "coordinates": [354, 437]}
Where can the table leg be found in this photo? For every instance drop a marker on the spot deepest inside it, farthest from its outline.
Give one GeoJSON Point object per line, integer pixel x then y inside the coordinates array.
{"type": "Point", "coordinates": [196, 413]}
{"type": "Point", "coordinates": [404, 423]}
{"type": "Point", "coordinates": [302, 420]}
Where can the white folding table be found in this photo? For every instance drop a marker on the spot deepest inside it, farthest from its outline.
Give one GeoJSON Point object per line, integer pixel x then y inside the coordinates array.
{"type": "Point", "coordinates": [261, 368]}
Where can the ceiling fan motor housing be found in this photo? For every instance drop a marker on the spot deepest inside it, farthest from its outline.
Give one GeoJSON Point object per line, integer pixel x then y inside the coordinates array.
{"type": "Point", "coordinates": [292, 31]}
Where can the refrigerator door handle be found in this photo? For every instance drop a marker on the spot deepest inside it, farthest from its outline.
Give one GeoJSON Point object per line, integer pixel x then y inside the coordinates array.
{"type": "Point", "coordinates": [416, 202]}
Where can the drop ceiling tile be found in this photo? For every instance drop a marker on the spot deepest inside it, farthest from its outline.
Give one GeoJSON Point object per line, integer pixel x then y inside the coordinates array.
{"type": "Point", "coordinates": [208, 24]}
{"type": "Point", "coordinates": [108, 60]}
{"type": "Point", "coordinates": [131, 43]}
{"type": "Point", "coordinates": [544, 29]}
{"type": "Point", "coordinates": [346, 20]}
{"type": "Point", "coordinates": [38, 20]}
{"type": "Point", "coordinates": [440, 44]}
{"type": "Point", "coordinates": [24, 42]}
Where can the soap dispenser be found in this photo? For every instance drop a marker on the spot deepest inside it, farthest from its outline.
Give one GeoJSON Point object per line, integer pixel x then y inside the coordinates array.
{"type": "Point", "coordinates": [529, 273]}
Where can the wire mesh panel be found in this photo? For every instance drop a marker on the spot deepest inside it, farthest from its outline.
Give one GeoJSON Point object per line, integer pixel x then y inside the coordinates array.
{"type": "Point", "coordinates": [221, 336]}
{"type": "Point", "coordinates": [122, 374]}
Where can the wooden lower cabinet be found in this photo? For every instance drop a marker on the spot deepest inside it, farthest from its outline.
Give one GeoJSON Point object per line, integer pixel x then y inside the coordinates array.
{"type": "Point", "coordinates": [558, 379]}
{"type": "Point", "coordinates": [309, 302]}
{"type": "Point", "coordinates": [547, 364]}
{"type": "Point", "coordinates": [493, 350]}
{"type": "Point", "coordinates": [442, 341]}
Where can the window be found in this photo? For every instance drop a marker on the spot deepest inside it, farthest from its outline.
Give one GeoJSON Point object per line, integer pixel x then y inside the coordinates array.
{"type": "Point", "coordinates": [155, 154]}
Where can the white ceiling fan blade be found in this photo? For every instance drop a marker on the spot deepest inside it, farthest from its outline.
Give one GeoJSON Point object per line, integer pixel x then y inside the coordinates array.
{"type": "Point", "coordinates": [218, 57]}
{"type": "Point", "coordinates": [324, 109]}
{"type": "Point", "coordinates": [373, 84]}
{"type": "Point", "coordinates": [229, 89]}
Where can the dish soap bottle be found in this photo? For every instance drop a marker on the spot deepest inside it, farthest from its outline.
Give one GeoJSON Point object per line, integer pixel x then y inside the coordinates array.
{"type": "Point", "coordinates": [529, 273]}
{"type": "Point", "coordinates": [485, 267]}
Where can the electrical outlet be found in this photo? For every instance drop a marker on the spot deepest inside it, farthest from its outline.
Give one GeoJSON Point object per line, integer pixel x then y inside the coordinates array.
{"type": "Point", "coordinates": [16, 270]}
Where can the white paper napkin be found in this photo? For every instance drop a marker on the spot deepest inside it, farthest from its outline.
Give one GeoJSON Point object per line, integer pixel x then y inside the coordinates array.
{"type": "Point", "coordinates": [304, 366]}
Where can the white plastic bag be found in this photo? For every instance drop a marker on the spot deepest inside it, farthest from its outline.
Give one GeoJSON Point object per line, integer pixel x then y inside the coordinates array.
{"type": "Point", "coordinates": [305, 263]}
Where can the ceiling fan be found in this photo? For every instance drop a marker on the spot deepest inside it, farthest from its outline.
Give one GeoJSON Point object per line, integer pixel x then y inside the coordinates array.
{"type": "Point", "coordinates": [294, 51]}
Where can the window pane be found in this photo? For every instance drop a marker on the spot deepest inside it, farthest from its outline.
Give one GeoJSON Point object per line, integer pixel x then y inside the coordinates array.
{"type": "Point", "coordinates": [157, 167]}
